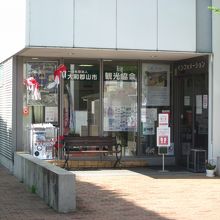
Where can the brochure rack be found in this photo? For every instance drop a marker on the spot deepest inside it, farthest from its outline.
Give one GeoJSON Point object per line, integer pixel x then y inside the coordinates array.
{"type": "Point", "coordinates": [42, 139]}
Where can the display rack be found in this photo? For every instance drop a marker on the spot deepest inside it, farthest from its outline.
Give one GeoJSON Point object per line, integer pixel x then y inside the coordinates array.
{"type": "Point", "coordinates": [42, 139]}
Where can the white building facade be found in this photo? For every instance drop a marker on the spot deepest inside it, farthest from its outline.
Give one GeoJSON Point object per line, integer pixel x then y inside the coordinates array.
{"type": "Point", "coordinates": [127, 61]}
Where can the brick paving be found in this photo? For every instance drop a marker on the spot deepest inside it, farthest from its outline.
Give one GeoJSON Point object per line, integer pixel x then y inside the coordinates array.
{"type": "Point", "coordinates": [136, 194]}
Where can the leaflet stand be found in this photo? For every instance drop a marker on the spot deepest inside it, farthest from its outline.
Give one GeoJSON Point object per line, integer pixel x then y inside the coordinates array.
{"type": "Point", "coordinates": [42, 139]}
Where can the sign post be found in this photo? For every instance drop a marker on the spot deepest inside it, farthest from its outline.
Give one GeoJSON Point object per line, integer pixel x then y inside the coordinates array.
{"type": "Point", "coordinates": [163, 136]}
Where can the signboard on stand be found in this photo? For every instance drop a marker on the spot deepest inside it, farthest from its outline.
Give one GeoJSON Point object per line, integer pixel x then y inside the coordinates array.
{"type": "Point", "coordinates": [163, 135]}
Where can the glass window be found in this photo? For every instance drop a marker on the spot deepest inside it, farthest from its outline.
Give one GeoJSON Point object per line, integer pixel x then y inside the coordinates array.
{"type": "Point", "coordinates": [120, 103]}
{"type": "Point", "coordinates": [40, 95]}
{"type": "Point", "coordinates": [155, 99]}
{"type": "Point", "coordinates": [81, 98]}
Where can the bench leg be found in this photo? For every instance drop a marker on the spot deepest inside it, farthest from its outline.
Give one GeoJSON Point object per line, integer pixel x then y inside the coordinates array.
{"type": "Point", "coordinates": [66, 156]}
{"type": "Point", "coordinates": [118, 153]}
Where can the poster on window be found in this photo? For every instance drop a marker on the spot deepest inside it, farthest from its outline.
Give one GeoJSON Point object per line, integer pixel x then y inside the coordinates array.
{"type": "Point", "coordinates": [39, 82]}
{"type": "Point", "coordinates": [120, 105]}
{"type": "Point", "coordinates": [155, 84]}
{"type": "Point", "coordinates": [148, 114]}
{"type": "Point", "coordinates": [51, 114]}
{"type": "Point", "coordinates": [120, 118]}
{"type": "Point", "coordinates": [148, 128]}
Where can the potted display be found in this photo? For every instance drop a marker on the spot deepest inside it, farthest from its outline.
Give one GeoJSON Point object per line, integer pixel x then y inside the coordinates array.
{"type": "Point", "coordinates": [210, 169]}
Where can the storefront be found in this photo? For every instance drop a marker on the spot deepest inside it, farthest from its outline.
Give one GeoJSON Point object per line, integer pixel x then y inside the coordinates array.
{"type": "Point", "coordinates": [123, 99]}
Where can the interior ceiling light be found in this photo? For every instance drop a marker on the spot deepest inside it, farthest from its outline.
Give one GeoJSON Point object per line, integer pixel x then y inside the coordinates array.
{"type": "Point", "coordinates": [86, 65]}
{"type": "Point", "coordinates": [35, 58]}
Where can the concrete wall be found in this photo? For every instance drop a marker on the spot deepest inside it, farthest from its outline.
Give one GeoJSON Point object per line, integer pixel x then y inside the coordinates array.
{"type": "Point", "coordinates": [55, 185]}
{"type": "Point", "coordinates": [123, 24]}
{"type": "Point", "coordinates": [215, 150]}
{"type": "Point", "coordinates": [177, 25]}
{"type": "Point", "coordinates": [50, 23]}
{"type": "Point", "coordinates": [203, 26]}
{"type": "Point", "coordinates": [6, 163]}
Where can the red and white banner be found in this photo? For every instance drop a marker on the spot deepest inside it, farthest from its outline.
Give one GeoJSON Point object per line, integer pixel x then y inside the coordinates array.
{"type": "Point", "coordinates": [33, 86]}
{"type": "Point", "coordinates": [61, 69]}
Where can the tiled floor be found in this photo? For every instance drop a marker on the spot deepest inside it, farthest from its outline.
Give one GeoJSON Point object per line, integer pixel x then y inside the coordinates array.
{"type": "Point", "coordinates": [136, 194]}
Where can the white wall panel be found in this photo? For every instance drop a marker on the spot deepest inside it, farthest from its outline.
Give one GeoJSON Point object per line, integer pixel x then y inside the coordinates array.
{"type": "Point", "coordinates": [177, 25]}
{"type": "Point", "coordinates": [203, 26]}
{"type": "Point", "coordinates": [137, 24]}
{"type": "Point", "coordinates": [214, 149]}
{"type": "Point", "coordinates": [95, 23]}
{"type": "Point", "coordinates": [51, 23]}
{"type": "Point", "coordinates": [12, 23]}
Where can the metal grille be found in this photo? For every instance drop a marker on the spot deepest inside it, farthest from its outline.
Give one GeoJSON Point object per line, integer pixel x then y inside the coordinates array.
{"type": "Point", "coordinates": [6, 108]}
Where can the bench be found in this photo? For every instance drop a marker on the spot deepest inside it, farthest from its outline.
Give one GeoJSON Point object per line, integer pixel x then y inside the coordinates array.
{"type": "Point", "coordinates": [91, 145]}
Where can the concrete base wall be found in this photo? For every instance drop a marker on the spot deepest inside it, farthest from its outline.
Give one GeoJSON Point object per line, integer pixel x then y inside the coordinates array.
{"type": "Point", "coordinates": [218, 166]}
{"type": "Point", "coordinates": [55, 185]}
{"type": "Point", "coordinates": [6, 163]}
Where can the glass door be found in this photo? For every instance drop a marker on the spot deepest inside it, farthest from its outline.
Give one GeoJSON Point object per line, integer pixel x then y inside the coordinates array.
{"type": "Point", "coordinates": [81, 98]}
{"type": "Point", "coordinates": [193, 114]}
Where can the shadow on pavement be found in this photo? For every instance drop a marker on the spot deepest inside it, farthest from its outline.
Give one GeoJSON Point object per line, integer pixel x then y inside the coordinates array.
{"type": "Point", "coordinates": [170, 172]}
{"type": "Point", "coordinates": [93, 203]}
{"type": "Point", "coordinates": [97, 203]}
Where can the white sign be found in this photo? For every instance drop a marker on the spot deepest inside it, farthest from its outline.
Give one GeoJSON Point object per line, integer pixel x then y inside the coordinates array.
{"type": "Point", "coordinates": [186, 100]}
{"type": "Point", "coordinates": [51, 114]}
{"type": "Point", "coordinates": [198, 104]}
{"type": "Point", "coordinates": [205, 101]}
{"type": "Point", "coordinates": [163, 136]}
{"type": "Point", "coordinates": [163, 120]}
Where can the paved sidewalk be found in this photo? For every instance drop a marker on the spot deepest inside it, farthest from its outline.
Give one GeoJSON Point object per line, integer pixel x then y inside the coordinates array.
{"type": "Point", "coordinates": [136, 194]}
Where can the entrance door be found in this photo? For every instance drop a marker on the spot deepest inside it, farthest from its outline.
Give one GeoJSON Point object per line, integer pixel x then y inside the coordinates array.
{"type": "Point", "coordinates": [193, 114]}
{"type": "Point", "coordinates": [81, 98]}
